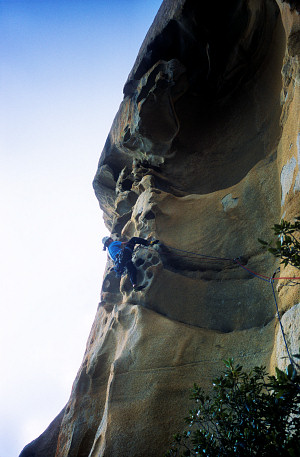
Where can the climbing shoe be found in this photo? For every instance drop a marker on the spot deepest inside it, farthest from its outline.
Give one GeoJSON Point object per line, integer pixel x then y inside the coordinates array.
{"type": "Point", "coordinates": [153, 242]}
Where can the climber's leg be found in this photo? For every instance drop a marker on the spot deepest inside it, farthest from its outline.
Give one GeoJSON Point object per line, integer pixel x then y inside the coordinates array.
{"type": "Point", "coordinates": [132, 272]}
{"type": "Point", "coordinates": [136, 240]}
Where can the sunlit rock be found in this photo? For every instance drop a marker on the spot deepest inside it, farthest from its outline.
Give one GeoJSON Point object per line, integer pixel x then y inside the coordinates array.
{"type": "Point", "coordinates": [203, 155]}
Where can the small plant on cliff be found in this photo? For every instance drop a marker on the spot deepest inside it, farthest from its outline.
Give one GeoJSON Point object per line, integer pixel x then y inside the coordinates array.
{"type": "Point", "coordinates": [287, 242]}
{"type": "Point", "coordinates": [247, 414]}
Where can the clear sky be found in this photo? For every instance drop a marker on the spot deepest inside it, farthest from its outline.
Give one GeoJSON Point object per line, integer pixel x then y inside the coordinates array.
{"type": "Point", "coordinates": [63, 64]}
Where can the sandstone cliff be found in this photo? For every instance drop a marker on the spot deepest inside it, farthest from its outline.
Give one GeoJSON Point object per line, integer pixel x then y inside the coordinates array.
{"type": "Point", "coordinates": [204, 155]}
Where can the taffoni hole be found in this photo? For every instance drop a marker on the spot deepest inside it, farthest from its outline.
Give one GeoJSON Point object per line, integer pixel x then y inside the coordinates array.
{"type": "Point", "coordinates": [139, 262]}
{"type": "Point", "coordinates": [149, 215]}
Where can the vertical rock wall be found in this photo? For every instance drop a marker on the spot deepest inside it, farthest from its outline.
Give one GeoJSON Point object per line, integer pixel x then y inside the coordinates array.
{"type": "Point", "coordinates": [288, 165]}
{"type": "Point", "coordinates": [204, 155]}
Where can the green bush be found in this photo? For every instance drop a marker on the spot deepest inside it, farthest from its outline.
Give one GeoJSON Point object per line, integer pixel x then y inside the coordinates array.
{"type": "Point", "coordinates": [286, 245]}
{"type": "Point", "coordinates": [247, 414]}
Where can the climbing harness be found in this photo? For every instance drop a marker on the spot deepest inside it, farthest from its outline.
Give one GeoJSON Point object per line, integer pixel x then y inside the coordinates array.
{"type": "Point", "coordinates": [119, 267]}
{"type": "Point", "coordinates": [124, 256]}
{"type": "Point", "coordinates": [268, 279]}
{"type": "Point", "coordinates": [121, 261]}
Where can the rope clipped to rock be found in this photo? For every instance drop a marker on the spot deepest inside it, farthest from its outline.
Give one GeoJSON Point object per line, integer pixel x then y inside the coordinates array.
{"type": "Point", "coordinates": [210, 257]}
{"type": "Point", "coordinates": [268, 279]}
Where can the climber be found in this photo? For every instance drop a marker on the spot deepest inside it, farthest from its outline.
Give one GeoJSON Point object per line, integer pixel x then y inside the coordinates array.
{"type": "Point", "coordinates": [121, 254]}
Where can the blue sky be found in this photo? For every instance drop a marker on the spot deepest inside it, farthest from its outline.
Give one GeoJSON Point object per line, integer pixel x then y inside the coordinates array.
{"type": "Point", "coordinates": [63, 65]}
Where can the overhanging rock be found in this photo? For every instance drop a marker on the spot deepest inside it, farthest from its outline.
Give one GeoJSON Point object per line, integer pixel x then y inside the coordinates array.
{"type": "Point", "coordinates": [194, 158]}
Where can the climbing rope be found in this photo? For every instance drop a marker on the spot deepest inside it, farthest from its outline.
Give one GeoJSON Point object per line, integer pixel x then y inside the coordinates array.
{"type": "Point", "coordinates": [264, 278]}
{"type": "Point", "coordinates": [210, 257]}
{"type": "Point", "coordinates": [281, 326]}
{"type": "Point", "coordinates": [197, 254]}
{"type": "Point", "coordinates": [268, 279]}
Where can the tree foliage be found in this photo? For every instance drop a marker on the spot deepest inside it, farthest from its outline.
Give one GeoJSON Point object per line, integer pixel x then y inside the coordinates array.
{"type": "Point", "coordinates": [247, 414]}
{"type": "Point", "coordinates": [286, 245]}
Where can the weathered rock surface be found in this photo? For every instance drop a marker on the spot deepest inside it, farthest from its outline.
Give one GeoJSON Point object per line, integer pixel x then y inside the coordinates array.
{"type": "Point", "coordinates": [203, 154]}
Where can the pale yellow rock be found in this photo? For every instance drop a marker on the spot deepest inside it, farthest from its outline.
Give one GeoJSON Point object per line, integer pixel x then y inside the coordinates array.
{"type": "Point", "coordinates": [147, 369]}
{"type": "Point", "coordinates": [290, 322]}
{"type": "Point", "coordinates": [203, 155]}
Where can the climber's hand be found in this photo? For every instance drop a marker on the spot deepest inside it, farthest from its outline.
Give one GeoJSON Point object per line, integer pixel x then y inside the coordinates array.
{"type": "Point", "coordinates": [153, 242]}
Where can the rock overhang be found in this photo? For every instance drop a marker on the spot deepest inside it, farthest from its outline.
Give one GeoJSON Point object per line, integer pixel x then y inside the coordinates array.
{"type": "Point", "coordinates": [195, 75]}
{"type": "Point", "coordinates": [195, 158]}
{"type": "Point", "coordinates": [199, 124]}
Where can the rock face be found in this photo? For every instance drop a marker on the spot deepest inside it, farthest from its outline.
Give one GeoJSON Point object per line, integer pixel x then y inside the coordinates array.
{"type": "Point", "coordinates": [203, 155]}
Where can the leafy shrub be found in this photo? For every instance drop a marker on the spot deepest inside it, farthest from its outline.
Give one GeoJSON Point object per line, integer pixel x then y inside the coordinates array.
{"type": "Point", "coordinates": [247, 414]}
{"type": "Point", "coordinates": [287, 245]}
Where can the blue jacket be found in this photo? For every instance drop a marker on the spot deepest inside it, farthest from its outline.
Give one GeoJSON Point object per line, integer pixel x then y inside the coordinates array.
{"type": "Point", "coordinates": [113, 249]}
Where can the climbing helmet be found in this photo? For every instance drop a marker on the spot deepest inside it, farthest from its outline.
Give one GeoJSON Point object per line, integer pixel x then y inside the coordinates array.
{"type": "Point", "coordinates": [104, 241]}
